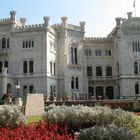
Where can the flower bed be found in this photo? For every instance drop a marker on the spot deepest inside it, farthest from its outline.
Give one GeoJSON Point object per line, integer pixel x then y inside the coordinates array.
{"type": "Point", "coordinates": [37, 131]}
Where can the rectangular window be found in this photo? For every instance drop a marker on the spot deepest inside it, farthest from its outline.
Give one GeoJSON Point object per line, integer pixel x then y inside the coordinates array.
{"type": "Point", "coordinates": [50, 67]}
{"type": "Point", "coordinates": [6, 65]}
{"type": "Point", "coordinates": [98, 52]}
{"type": "Point", "coordinates": [25, 90]}
{"type": "Point", "coordinates": [90, 91]}
{"type": "Point", "coordinates": [77, 82]}
{"type": "Point", "coordinates": [32, 44]}
{"type": "Point", "coordinates": [87, 52]}
{"type": "Point", "coordinates": [25, 67]}
{"type": "Point", "coordinates": [108, 71]}
{"type": "Point", "coordinates": [26, 44]}
{"type": "Point", "coordinates": [136, 46]}
{"type": "Point", "coordinates": [23, 44]}
{"type": "Point", "coordinates": [31, 88]}
{"type": "Point", "coordinates": [135, 68]}
{"type": "Point", "coordinates": [72, 82]}
{"type": "Point", "coordinates": [89, 71]}
{"type": "Point", "coordinates": [107, 52]}
{"type": "Point", "coordinates": [0, 66]}
{"type": "Point", "coordinates": [31, 66]}
{"type": "Point", "coordinates": [54, 68]}
{"type": "Point", "coordinates": [98, 71]}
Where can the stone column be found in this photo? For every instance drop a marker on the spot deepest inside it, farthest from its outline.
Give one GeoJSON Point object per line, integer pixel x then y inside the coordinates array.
{"type": "Point", "coordinates": [4, 81]}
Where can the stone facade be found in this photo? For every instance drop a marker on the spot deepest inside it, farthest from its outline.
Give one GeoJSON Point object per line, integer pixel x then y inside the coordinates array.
{"type": "Point", "coordinates": [44, 57]}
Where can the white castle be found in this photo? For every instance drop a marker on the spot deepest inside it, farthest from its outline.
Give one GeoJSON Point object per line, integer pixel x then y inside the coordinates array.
{"type": "Point", "coordinates": [44, 57]}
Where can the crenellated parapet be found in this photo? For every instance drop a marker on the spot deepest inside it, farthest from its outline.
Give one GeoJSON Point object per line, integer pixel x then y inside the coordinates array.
{"type": "Point", "coordinates": [29, 27]}
{"type": "Point", "coordinates": [98, 39]}
{"type": "Point", "coordinates": [5, 21]}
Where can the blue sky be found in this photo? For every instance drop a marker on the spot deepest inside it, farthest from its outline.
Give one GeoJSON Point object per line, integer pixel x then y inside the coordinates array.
{"type": "Point", "coordinates": [99, 14]}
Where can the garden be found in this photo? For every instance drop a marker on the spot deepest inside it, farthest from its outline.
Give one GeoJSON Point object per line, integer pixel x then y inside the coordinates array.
{"type": "Point", "coordinates": [69, 123]}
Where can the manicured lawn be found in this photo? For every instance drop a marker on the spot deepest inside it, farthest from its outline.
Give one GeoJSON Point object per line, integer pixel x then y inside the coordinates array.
{"type": "Point", "coordinates": [32, 119]}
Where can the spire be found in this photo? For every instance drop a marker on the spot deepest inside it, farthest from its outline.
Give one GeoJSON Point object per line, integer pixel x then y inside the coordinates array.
{"type": "Point", "coordinates": [134, 7]}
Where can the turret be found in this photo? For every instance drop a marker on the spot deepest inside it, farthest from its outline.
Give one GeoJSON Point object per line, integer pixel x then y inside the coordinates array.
{"type": "Point", "coordinates": [46, 21]}
{"type": "Point", "coordinates": [23, 21]}
{"type": "Point", "coordinates": [82, 25]}
{"type": "Point", "coordinates": [13, 15]}
{"type": "Point", "coordinates": [64, 21]}
{"type": "Point", "coordinates": [129, 15]}
{"type": "Point", "coordinates": [118, 21]}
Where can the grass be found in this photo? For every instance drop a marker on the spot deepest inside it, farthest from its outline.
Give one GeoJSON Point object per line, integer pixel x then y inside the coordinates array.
{"type": "Point", "coordinates": [32, 119]}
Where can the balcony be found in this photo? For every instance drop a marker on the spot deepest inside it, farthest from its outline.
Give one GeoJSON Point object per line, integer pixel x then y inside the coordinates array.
{"type": "Point", "coordinates": [101, 78]}
{"type": "Point", "coordinates": [4, 52]}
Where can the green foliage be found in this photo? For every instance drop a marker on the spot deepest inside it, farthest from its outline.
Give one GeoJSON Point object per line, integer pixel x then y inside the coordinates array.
{"type": "Point", "coordinates": [11, 116]}
{"type": "Point", "coordinates": [110, 132]}
{"type": "Point", "coordinates": [77, 117]}
{"type": "Point", "coordinates": [33, 119]}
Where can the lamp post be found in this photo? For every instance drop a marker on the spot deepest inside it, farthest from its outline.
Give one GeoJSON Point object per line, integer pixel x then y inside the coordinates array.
{"type": "Point", "coordinates": [17, 87]}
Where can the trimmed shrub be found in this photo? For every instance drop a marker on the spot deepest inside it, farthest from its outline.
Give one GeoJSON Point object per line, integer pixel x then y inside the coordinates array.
{"type": "Point", "coordinates": [11, 116]}
{"type": "Point", "coordinates": [110, 132]}
{"type": "Point", "coordinates": [77, 117]}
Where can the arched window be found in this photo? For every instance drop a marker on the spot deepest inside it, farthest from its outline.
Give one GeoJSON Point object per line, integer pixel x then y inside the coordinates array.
{"type": "Point", "coordinates": [98, 71]}
{"type": "Point", "coordinates": [77, 83]}
{"type": "Point", "coordinates": [99, 91]}
{"type": "Point", "coordinates": [72, 82]}
{"type": "Point", "coordinates": [109, 92]}
{"type": "Point", "coordinates": [136, 88]}
{"type": "Point", "coordinates": [3, 43]}
{"type": "Point", "coordinates": [75, 52]}
{"type": "Point", "coordinates": [72, 55]}
{"type": "Point", "coordinates": [135, 68]}
{"type": "Point", "coordinates": [25, 67]}
{"type": "Point", "coordinates": [8, 41]}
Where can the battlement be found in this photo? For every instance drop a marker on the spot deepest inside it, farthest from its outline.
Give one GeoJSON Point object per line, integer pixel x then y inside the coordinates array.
{"type": "Point", "coordinates": [29, 27]}
{"type": "Point", "coordinates": [98, 39]}
{"type": "Point", "coordinates": [73, 27]}
{"type": "Point", "coordinates": [55, 26]}
{"type": "Point", "coordinates": [5, 20]}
